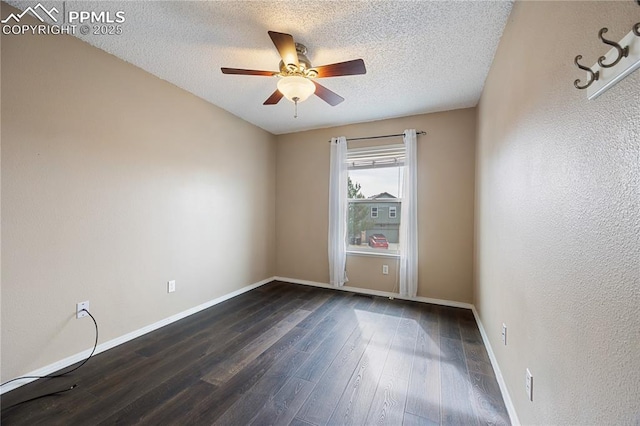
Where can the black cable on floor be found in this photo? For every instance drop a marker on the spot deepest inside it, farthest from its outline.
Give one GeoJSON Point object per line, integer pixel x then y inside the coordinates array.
{"type": "Point", "coordinates": [38, 397]}
{"type": "Point", "coordinates": [53, 376]}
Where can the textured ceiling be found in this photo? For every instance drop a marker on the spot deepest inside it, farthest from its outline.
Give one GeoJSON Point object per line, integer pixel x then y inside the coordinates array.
{"type": "Point", "coordinates": [421, 56]}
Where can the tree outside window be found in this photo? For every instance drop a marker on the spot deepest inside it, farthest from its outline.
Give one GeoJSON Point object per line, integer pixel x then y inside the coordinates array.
{"type": "Point", "coordinates": [358, 214]}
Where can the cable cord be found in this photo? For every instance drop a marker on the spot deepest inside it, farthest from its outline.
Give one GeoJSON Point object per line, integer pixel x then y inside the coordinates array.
{"type": "Point", "coordinates": [4, 408]}
{"type": "Point", "coordinates": [53, 376]}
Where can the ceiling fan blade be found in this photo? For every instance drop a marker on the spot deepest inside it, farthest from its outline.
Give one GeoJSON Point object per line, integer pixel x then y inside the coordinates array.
{"type": "Point", "coordinates": [274, 98]}
{"type": "Point", "coordinates": [327, 95]}
{"type": "Point", "coordinates": [354, 67]}
{"type": "Point", "coordinates": [247, 72]}
{"type": "Point", "coordinates": [286, 47]}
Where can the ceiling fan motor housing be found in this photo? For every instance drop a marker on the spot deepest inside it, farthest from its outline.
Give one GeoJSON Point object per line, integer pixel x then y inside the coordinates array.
{"type": "Point", "coordinates": [305, 64]}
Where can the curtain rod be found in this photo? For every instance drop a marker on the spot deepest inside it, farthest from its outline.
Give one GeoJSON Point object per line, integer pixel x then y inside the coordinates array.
{"type": "Point", "coordinates": [420, 132]}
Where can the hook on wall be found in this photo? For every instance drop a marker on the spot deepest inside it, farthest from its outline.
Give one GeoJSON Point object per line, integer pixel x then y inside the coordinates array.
{"type": "Point", "coordinates": [614, 66]}
{"type": "Point", "coordinates": [593, 76]}
{"type": "Point", "coordinates": [623, 52]}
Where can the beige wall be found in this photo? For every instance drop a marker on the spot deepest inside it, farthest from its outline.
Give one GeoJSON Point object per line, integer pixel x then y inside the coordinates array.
{"type": "Point", "coordinates": [558, 210]}
{"type": "Point", "coordinates": [366, 272]}
{"type": "Point", "coordinates": [445, 206]}
{"type": "Point", "coordinates": [113, 182]}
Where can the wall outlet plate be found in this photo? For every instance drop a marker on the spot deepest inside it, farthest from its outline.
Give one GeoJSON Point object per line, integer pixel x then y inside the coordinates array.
{"type": "Point", "coordinates": [529, 385]}
{"type": "Point", "coordinates": [385, 269]}
{"type": "Point", "coordinates": [171, 286]}
{"type": "Point", "coordinates": [504, 334]}
{"type": "Point", "coordinates": [79, 309]}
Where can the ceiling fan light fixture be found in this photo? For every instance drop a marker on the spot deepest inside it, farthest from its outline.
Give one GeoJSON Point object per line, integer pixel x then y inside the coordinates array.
{"type": "Point", "coordinates": [296, 88]}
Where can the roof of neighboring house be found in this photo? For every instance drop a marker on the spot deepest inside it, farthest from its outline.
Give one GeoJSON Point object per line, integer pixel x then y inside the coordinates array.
{"type": "Point", "coordinates": [382, 195]}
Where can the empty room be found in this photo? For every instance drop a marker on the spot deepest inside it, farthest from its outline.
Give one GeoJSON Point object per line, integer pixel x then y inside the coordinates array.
{"type": "Point", "coordinates": [320, 213]}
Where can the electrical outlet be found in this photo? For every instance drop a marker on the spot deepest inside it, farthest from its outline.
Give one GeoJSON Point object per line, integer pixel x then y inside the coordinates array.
{"type": "Point", "coordinates": [529, 385]}
{"type": "Point", "coordinates": [385, 269]}
{"type": "Point", "coordinates": [171, 286]}
{"type": "Point", "coordinates": [504, 333]}
{"type": "Point", "coordinates": [79, 309]}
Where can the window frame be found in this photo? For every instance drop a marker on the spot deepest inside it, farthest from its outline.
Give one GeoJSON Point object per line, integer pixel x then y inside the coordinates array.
{"type": "Point", "coordinates": [375, 155]}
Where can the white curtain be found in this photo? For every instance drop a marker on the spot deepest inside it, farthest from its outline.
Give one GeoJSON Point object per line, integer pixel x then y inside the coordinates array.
{"type": "Point", "coordinates": [409, 219]}
{"type": "Point", "coordinates": [338, 212]}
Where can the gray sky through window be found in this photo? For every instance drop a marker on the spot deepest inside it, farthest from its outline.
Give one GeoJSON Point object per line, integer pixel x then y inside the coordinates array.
{"type": "Point", "coordinates": [375, 181]}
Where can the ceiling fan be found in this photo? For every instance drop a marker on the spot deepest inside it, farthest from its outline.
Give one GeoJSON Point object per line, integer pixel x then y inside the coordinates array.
{"type": "Point", "coordinates": [297, 75]}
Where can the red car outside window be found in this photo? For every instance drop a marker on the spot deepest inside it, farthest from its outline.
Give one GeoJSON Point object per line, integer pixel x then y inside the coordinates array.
{"type": "Point", "coordinates": [378, 241]}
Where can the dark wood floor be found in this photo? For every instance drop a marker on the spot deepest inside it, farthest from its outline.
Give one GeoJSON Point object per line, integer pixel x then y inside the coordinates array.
{"type": "Point", "coordinates": [284, 354]}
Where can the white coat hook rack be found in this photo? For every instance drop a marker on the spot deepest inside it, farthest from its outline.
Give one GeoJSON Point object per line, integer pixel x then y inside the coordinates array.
{"type": "Point", "coordinates": [620, 61]}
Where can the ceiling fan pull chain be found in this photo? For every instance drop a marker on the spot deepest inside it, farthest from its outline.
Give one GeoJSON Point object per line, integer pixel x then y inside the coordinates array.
{"type": "Point", "coordinates": [295, 101]}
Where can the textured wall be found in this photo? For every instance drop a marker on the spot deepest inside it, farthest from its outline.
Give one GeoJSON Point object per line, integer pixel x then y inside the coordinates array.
{"type": "Point", "coordinates": [446, 158]}
{"type": "Point", "coordinates": [113, 182]}
{"type": "Point", "coordinates": [558, 211]}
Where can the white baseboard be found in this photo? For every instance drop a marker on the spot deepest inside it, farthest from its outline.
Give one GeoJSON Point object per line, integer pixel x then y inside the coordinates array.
{"type": "Point", "coordinates": [378, 293]}
{"type": "Point", "coordinates": [63, 363]}
{"type": "Point", "coordinates": [51, 368]}
{"type": "Point", "coordinates": [511, 409]}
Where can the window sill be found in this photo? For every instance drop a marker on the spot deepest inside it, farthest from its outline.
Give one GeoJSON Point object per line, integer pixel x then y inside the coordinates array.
{"type": "Point", "coordinates": [372, 254]}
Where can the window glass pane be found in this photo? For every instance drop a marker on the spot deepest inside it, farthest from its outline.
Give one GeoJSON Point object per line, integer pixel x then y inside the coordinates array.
{"type": "Point", "coordinates": [378, 180]}
{"type": "Point", "coordinates": [374, 209]}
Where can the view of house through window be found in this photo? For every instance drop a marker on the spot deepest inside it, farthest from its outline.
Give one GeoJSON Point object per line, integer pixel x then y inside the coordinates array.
{"type": "Point", "coordinates": [375, 203]}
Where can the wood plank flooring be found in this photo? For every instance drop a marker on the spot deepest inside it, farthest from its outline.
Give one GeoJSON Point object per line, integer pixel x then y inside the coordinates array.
{"type": "Point", "coordinates": [283, 354]}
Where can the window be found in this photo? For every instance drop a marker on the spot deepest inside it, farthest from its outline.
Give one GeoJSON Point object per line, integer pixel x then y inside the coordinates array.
{"type": "Point", "coordinates": [373, 188]}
